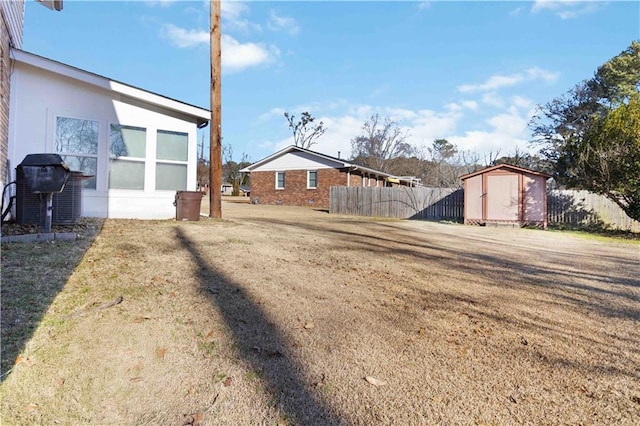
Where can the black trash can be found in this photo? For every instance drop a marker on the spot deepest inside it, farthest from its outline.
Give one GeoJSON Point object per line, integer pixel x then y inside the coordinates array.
{"type": "Point", "coordinates": [188, 205]}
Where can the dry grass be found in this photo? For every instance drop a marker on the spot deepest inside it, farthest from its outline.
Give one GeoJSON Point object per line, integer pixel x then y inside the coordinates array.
{"type": "Point", "coordinates": [276, 315]}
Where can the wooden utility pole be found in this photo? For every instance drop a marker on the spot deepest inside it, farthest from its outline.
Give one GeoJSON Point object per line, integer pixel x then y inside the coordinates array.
{"type": "Point", "coordinates": [215, 141]}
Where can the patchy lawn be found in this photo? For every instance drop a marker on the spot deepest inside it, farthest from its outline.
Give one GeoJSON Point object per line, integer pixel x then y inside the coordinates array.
{"type": "Point", "coordinates": [278, 315]}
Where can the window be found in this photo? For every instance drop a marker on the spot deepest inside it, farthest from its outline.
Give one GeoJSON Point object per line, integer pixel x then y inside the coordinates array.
{"type": "Point", "coordinates": [127, 152]}
{"type": "Point", "coordinates": [172, 151]}
{"type": "Point", "coordinates": [312, 179]}
{"type": "Point", "coordinates": [279, 180]}
{"type": "Point", "coordinates": [77, 143]}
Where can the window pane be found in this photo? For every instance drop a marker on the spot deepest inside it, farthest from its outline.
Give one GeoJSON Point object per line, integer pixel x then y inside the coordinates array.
{"type": "Point", "coordinates": [172, 146]}
{"type": "Point", "coordinates": [171, 177]}
{"type": "Point", "coordinates": [126, 174]}
{"type": "Point", "coordinates": [313, 179]}
{"type": "Point", "coordinates": [76, 136]}
{"type": "Point", "coordinates": [280, 180]}
{"type": "Point", "coordinates": [86, 165]}
{"type": "Point", "coordinates": [127, 141]}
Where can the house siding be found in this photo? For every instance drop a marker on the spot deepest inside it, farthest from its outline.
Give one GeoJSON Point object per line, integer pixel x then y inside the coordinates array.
{"type": "Point", "coordinates": [11, 17]}
{"type": "Point", "coordinates": [295, 192]}
{"type": "Point", "coordinates": [4, 101]}
{"type": "Point", "coordinates": [40, 96]}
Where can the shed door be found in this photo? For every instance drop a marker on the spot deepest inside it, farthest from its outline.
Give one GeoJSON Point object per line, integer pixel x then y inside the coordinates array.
{"type": "Point", "coordinates": [502, 197]}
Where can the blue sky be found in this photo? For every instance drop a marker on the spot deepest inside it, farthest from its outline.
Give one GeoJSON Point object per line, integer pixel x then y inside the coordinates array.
{"type": "Point", "coordinates": [470, 72]}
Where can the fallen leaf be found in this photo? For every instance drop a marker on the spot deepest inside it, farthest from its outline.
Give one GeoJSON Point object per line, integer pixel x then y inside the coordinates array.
{"type": "Point", "coordinates": [31, 406]}
{"type": "Point", "coordinates": [309, 325]}
{"type": "Point", "coordinates": [227, 382]}
{"type": "Point", "coordinates": [193, 419]}
{"type": "Point", "coordinates": [135, 379]}
{"type": "Point", "coordinates": [375, 382]}
{"type": "Point", "coordinates": [524, 341]}
{"type": "Point", "coordinates": [160, 352]}
{"type": "Point", "coordinates": [209, 335]}
{"type": "Point", "coordinates": [23, 360]}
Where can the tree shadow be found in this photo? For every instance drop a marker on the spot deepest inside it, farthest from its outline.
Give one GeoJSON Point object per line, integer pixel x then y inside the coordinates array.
{"type": "Point", "coordinates": [262, 345]}
{"type": "Point", "coordinates": [33, 273]}
{"type": "Point", "coordinates": [564, 211]}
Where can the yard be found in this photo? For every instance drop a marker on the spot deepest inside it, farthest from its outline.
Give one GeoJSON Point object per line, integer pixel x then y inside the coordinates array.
{"type": "Point", "coordinates": [281, 315]}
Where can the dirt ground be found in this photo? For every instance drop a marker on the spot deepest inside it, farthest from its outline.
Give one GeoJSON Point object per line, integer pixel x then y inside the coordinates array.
{"type": "Point", "coordinates": [281, 315]}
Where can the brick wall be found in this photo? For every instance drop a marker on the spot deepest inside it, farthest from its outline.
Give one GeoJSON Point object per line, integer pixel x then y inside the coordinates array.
{"type": "Point", "coordinates": [5, 67]}
{"type": "Point", "coordinates": [295, 192]}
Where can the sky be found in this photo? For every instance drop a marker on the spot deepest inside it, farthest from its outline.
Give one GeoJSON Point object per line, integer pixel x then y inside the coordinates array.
{"type": "Point", "coordinates": [470, 72]}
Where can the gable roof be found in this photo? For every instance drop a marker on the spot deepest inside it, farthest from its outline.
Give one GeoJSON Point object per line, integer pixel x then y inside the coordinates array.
{"type": "Point", "coordinates": [199, 115]}
{"type": "Point", "coordinates": [507, 167]}
{"type": "Point", "coordinates": [340, 163]}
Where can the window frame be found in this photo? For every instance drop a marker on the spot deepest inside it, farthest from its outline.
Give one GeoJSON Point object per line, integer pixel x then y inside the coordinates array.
{"type": "Point", "coordinates": [127, 159]}
{"type": "Point", "coordinates": [64, 154]}
{"type": "Point", "coordinates": [278, 173]}
{"type": "Point", "coordinates": [309, 186]}
{"type": "Point", "coordinates": [159, 161]}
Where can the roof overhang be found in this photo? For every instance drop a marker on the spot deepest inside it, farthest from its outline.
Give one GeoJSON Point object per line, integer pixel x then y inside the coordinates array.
{"type": "Point", "coordinates": [51, 4]}
{"type": "Point", "coordinates": [200, 115]}
{"type": "Point", "coordinates": [508, 167]}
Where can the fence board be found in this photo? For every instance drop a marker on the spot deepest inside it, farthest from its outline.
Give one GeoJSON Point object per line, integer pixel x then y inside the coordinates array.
{"type": "Point", "coordinates": [400, 202]}
{"type": "Point", "coordinates": [584, 208]}
{"type": "Point", "coordinates": [571, 207]}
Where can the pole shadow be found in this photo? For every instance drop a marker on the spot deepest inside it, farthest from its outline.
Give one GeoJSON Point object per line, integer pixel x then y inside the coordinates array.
{"type": "Point", "coordinates": [262, 345]}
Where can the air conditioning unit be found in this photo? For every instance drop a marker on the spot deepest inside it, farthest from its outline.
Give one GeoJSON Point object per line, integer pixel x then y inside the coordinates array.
{"type": "Point", "coordinates": [67, 205]}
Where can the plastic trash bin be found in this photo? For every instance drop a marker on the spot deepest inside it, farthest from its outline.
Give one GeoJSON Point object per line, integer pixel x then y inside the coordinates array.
{"type": "Point", "coordinates": [188, 205]}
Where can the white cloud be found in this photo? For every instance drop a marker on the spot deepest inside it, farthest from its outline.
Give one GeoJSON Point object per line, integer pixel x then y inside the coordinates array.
{"type": "Point", "coordinates": [232, 12]}
{"type": "Point", "coordinates": [566, 9]}
{"type": "Point", "coordinates": [282, 23]}
{"type": "Point", "coordinates": [506, 130]}
{"type": "Point", "coordinates": [423, 125]}
{"type": "Point", "coordinates": [233, 9]}
{"type": "Point", "coordinates": [496, 82]}
{"type": "Point", "coordinates": [184, 38]}
{"type": "Point", "coordinates": [499, 126]}
{"type": "Point", "coordinates": [161, 3]}
{"type": "Point", "coordinates": [236, 56]}
{"type": "Point", "coordinates": [273, 112]}
{"type": "Point", "coordinates": [493, 99]}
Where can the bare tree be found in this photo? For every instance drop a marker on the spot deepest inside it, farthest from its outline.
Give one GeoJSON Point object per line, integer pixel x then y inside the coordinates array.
{"type": "Point", "coordinates": [231, 169]}
{"type": "Point", "coordinates": [305, 133]}
{"type": "Point", "coordinates": [381, 141]}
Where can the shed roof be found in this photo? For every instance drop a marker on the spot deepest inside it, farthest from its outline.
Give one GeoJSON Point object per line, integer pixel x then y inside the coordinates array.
{"type": "Point", "coordinates": [508, 167]}
{"type": "Point", "coordinates": [200, 116]}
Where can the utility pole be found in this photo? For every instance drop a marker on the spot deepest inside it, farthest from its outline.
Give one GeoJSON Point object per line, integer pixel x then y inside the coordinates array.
{"type": "Point", "coordinates": [215, 141]}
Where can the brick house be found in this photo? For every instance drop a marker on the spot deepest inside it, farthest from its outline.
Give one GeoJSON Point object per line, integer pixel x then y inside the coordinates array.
{"type": "Point", "coordinates": [300, 177]}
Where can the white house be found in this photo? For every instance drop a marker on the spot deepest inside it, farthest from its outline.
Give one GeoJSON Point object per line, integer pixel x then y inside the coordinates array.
{"type": "Point", "coordinates": [140, 147]}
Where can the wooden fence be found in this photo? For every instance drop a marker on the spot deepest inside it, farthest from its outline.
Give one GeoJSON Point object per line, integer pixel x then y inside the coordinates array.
{"type": "Point", "coordinates": [401, 202]}
{"type": "Point", "coordinates": [584, 208]}
{"type": "Point", "coordinates": [569, 207]}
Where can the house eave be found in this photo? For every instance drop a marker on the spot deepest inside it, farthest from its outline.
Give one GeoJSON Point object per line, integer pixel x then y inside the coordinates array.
{"type": "Point", "coordinates": [508, 167]}
{"type": "Point", "coordinates": [200, 115]}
